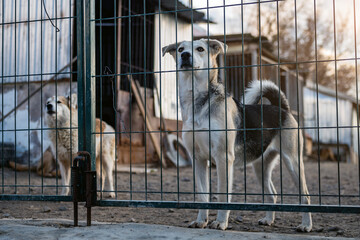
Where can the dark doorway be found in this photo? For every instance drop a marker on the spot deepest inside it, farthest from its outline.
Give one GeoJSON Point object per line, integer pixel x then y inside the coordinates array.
{"type": "Point", "coordinates": [137, 42]}
{"type": "Point", "coordinates": [137, 51]}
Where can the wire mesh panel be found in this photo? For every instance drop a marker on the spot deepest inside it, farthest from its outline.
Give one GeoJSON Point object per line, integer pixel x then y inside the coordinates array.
{"type": "Point", "coordinates": [228, 105]}
{"type": "Point", "coordinates": [168, 121]}
{"type": "Point", "coordinates": [37, 74]}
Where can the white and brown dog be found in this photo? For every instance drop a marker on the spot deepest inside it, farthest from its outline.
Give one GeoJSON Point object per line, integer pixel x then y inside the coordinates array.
{"type": "Point", "coordinates": [203, 96]}
{"type": "Point", "coordinates": [61, 118]}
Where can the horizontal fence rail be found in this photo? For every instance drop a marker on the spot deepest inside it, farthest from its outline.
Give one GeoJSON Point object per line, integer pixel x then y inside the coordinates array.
{"type": "Point", "coordinates": [233, 206]}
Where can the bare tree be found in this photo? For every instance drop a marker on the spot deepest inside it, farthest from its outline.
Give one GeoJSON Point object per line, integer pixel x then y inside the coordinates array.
{"type": "Point", "coordinates": [312, 38]}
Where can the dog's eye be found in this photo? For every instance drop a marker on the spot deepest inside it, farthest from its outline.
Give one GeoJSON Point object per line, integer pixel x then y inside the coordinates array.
{"type": "Point", "coordinates": [181, 49]}
{"type": "Point", "coordinates": [200, 49]}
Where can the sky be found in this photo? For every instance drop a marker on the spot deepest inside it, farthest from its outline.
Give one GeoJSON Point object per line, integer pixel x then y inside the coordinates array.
{"type": "Point", "coordinates": [233, 13]}
{"type": "Point", "coordinates": [344, 12]}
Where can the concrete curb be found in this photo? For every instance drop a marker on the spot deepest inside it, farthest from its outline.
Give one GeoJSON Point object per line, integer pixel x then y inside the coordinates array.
{"type": "Point", "coordinates": [63, 229]}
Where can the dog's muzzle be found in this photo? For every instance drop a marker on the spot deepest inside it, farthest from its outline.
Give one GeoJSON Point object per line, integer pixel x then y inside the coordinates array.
{"type": "Point", "coordinates": [186, 60]}
{"type": "Point", "coordinates": [49, 108]}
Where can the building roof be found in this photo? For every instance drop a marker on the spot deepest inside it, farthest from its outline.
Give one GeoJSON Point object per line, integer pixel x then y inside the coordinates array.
{"type": "Point", "coordinates": [238, 38]}
{"type": "Point", "coordinates": [330, 92]}
{"type": "Point", "coordinates": [183, 12]}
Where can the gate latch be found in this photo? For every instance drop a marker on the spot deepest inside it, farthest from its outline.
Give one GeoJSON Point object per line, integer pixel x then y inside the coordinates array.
{"type": "Point", "coordinates": [84, 184]}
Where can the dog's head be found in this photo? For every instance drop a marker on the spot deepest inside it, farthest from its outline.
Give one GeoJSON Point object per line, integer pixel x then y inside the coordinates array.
{"type": "Point", "coordinates": [59, 107]}
{"type": "Point", "coordinates": [199, 54]}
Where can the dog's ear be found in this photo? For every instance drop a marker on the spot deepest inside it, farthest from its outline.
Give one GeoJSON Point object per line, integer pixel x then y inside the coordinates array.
{"type": "Point", "coordinates": [170, 49]}
{"type": "Point", "coordinates": [216, 47]}
{"type": "Point", "coordinates": [72, 100]}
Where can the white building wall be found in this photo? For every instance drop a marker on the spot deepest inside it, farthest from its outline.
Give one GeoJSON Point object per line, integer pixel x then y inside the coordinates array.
{"type": "Point", "coordinates": [167, 33]}
{"type": "Point", "coordinates": [329, 118]}
{"type": "Point", "coordinates": [355, 131]}
{"type": "Point", "coordinates": [34, 47]}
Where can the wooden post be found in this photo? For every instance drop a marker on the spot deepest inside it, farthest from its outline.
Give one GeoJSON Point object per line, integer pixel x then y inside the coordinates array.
{"type": "Point", "coordinates": [135, 88]}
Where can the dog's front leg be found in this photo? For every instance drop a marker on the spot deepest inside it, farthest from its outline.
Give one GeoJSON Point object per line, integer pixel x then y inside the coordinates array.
{"type": "Point", "coordinates": [225, 181]}
{"type": "Point", "coordinates": [202, 184]}
{"type": "Point", "coordinates": [65, 179]}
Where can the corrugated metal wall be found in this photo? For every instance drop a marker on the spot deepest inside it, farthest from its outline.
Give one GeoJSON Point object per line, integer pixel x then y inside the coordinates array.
{"type": "Point", "coordinates": [34, 47]}
{"type": "Point", "coordinates": [329, 116]}
{"type": "Point", "coordinates": [27, 51]}
{"type": "Point", "coordinates": [168, 80]}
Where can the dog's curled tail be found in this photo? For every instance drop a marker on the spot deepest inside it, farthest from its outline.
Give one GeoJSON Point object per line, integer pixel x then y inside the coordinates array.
{"type": "Point", "coordinates": [268, 90]}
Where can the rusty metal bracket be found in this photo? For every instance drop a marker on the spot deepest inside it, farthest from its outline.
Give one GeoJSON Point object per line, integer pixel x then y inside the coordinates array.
{"type": "Point", "coordinates": [83, 184]}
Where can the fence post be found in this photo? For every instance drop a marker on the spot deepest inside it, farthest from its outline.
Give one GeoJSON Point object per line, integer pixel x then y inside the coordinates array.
{"type": "Point", "coordinates": [86, 85]}
{"type": "Point", "coordinates": [89, 46]}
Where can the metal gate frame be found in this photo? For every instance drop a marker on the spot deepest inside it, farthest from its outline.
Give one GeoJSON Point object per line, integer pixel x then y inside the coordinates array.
{"type": "Point", "coordinates": [84, 181]}
{"type": "Point", "coordinates": [88, 144]}
{"type": "Point", "coordinates": [28, 197]}
{"type": "Point", "coordinates": [85, 64]}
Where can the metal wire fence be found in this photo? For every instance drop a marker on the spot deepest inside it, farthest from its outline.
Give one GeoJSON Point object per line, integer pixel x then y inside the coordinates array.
{"type": "Point", "coordinates": [129, 111]}
{"type": "Point", "coordinates": [37, 61]}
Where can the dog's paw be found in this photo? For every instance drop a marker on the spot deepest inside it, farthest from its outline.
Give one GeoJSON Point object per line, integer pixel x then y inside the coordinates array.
{"type": "Point", "coordinates": [219, 225]}
{"type": "Point", "coordinates": [304, 228]}
{"type": "Point", "coordinates": [198, 224]}
{"type": "Point", "coordinates": [265, 221]}
{"type": "Point", "coordinates": [64, 192]}
{"type": "Point", "coordinates": [111, 195]}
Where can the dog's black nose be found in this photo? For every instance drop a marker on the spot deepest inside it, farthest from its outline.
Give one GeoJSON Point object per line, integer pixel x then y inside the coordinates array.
{"type": "Point", "coordinates": [185, 55]}
{"type": "Point", "coordinates": [49, 106]}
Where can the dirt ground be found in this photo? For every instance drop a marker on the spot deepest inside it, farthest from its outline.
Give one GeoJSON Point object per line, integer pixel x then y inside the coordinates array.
{"type": "Point", "coordinates": [177, 184]}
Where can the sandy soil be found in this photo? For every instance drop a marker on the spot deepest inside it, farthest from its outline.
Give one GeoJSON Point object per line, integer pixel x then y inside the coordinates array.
{"type": "Point", "coordinates": [172, 181]}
